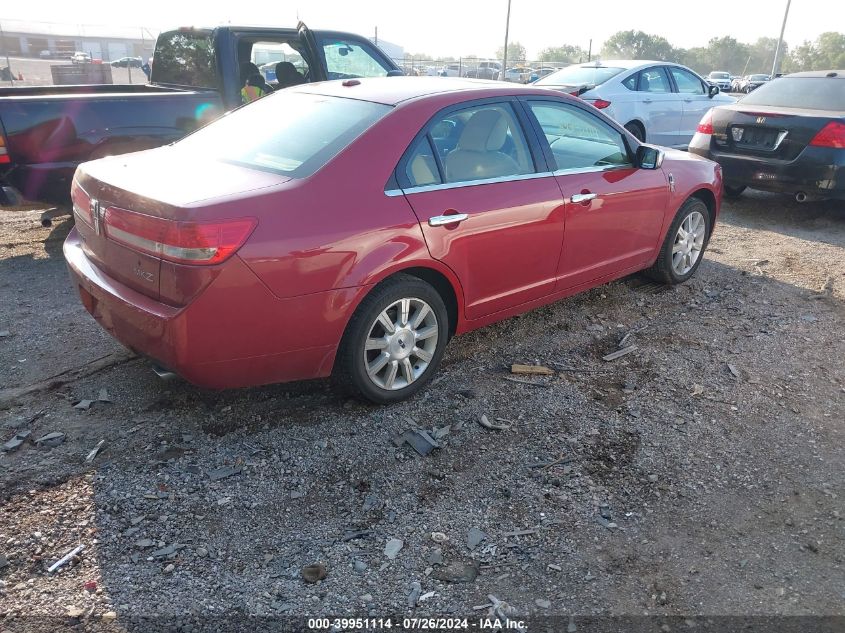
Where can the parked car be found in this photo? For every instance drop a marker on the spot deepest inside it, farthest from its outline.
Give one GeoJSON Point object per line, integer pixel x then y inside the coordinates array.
{"type": "Point", "coordinates": [450, 70]}
{"type": "Point", "coordinates": [45, 54]}
{"type": "Point", "coordinates": [541, 72]}
{"type": "Point", "coordinates": [658, 102]}
{"type": "Point", "coordinates": [787, 136]}
{"type": "Point", "coordinates": [721, 79]}
{"type": "Point", "coordinates": [484, 70]}
{"type": "Point", "coordinates": [275, 226]}
{"type": "Point", "coordinates": [196, 77]}
{"type": "Point", "coordinates": [518, 74]}
{"type": "Point", "coordinates": [127, 62]}
{"type": "Point", "coordinates": [80, 58]}
{"type": "Point", "coordinates": [752, 82]}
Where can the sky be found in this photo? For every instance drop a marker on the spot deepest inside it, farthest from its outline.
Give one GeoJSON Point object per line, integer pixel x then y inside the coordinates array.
{"type": "Point", "coordinates": [462, 27]}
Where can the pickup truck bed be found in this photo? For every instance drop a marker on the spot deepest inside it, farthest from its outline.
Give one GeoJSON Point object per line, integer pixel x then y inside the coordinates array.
{"type": "Point", "coordinates": [50, 130]}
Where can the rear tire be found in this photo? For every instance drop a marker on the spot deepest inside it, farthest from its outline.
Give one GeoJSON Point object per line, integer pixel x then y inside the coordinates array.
{"type": "Point", "coordinates": [637, 130]}
{"type": "Point", "coordinates": [684, 245]}
{"type": "Point", "coordinates": [386, 366]}
{"type": "Point", "coordinates": [733, 192]}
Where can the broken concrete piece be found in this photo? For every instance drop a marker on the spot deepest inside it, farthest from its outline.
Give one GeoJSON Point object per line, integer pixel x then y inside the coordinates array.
{"type": "Point", "coordinates": [532, 370]}
{"type": "Point", "coordinates": [51, 440]}
{"type": "Point", "coordinates": [167, 551]}
{"type": "Point", "coordinates": [83, 405]}
{"type": "Point", "coordinates": [392, 548]}
{"type": "Point", "coordinates": [16, 442]}
{"type": "Point", "coordinates": [103, 396]}
{"type": "Point", "coordinates": [475, 537]}
{"type": "Point", "coordinates": [734, 371]}
{"type": "Point", "coordinates": [414, 596]}
{"type": "Point", "coordinates": [225, 471]}
{"type": "Point", "coordinates": [619, 353]}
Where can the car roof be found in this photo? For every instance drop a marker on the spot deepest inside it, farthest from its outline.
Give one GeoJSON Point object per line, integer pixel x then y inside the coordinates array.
{"type": "Point", "coordinates": [394, 90]}
{"type": "Point", "coordinates": [833, 74]}
{"type": "Point", "coordinates": [620, 63]}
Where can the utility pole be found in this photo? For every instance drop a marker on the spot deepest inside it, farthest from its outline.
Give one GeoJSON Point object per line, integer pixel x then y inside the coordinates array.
{"type": "Point", "coordinates": [590, 51]}
{"type": "Point", "coordinates": [780, 39]}
{"type": "Point", "coordinates": [505, 56]}
{"type": "Point", "coordinates": [6, 49]}
{"type": "Point", "coordinates": [376, 39]}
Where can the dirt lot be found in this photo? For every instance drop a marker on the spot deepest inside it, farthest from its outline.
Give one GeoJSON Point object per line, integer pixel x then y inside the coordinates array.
{"type": "Point", "coordinates": [702, 474]}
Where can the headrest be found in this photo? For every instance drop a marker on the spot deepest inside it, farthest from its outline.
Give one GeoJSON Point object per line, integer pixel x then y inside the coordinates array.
{"type": "Point", "coordinates": [485, 131]}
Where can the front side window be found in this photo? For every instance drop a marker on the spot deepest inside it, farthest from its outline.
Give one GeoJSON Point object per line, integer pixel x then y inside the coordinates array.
{"type": "Point", "coordinates": [346, 60]}
{"type": "Point", "coordinates": [578, 139]}
{"type": "Point", "coordinates": [289, 133]}
{"type": "Point", "coordinates": [687, 82]}
{"type": "Point", "coordinates": [479, 143]}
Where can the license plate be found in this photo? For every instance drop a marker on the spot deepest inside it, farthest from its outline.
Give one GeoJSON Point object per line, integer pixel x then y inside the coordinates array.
{"type": "Point", "coordinates": [757, 137]}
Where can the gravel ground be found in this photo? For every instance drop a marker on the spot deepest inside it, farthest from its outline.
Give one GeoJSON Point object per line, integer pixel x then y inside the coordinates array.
{"type": "Point", "coordinates": [701, 474]}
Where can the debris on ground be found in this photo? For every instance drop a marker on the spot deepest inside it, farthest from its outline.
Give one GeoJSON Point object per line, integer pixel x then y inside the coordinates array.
{"type": "Point", "coordinates": [314, 573]}
{"type": "Point", "coordinates": [65, 559]}
{"type": "Point", "coordinates": [414, 596]}
{"type": "Point", "coordinates": [619, 353]}
{"type": "Point", "coordinates": [474, 537]}
{"type": "Point", "coordinates": [94, 451]}
{"type": "Point", "coordinates": [393, 547]}
{"type": "Point", "coordinates": [439, 537]}
{"type": "Point", "coordinates": [456, 572]}
{"type": "Point", "coordinates": [487, 424]}
{"type": "Point", "coordinates": [532, 370]}
{"type": "Point", "coordinates": [17, 441]}
{"type": "Point", "coordinates": [83, 405]}
{"type": "Point", "coordinates": [51, 440]}
{"type": "Point", "coordinates": [734, 371]}
{"type": "Point", "coordinates": [103, 396]}
{"type": "Point", "coordinates": [420, 441]}
{"type": "Point", "coordinates": [224, 472]}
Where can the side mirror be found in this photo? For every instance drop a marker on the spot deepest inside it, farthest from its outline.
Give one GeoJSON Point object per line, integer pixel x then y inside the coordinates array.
{"type": "Point", "coordinates": [713, 91]}
{"type": "Point", "coordinates": [649, 157]}
{"type": "Point", "coordinates": [394, 73]}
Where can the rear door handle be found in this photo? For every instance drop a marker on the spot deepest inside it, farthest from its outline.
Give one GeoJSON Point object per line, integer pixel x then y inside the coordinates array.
{"type": "Point", "coordinates": [583, 197]}
{"type": "Point", "coordinates": [646, 100]}
{"type": "Point", "coordinates": [444, 220]}
{"type": "Point", "coordinates": [688, 100]}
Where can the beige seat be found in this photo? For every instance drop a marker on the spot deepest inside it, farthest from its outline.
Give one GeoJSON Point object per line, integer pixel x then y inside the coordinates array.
{"type": "Point", "coordinates": [424, 170]}
{"type": "Point", "coordinates": [478, 153]}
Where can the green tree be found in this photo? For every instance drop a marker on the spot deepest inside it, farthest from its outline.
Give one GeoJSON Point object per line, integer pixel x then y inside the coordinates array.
{"type": "Point", "coordinates": [761, 55]}
{"type": "Point", "coordinates": [516, 52]}
{"type": "Point", "coordinates": [566, 54]}
{"type": "Point", "coordinates": [695, 58]}
{"type": "Point", "coordinates": [637, 45]}
{"type": "Point", "coordinates": [726, 53]}
{"type": "Point", "coordinates": [827, 52]}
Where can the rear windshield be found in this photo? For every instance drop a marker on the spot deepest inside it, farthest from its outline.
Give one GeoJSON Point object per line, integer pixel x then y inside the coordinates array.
{"type": "Point", "coordinates": [812, 93]}
{"type": "Point", "coordinates": [185, 58]}
{"type": "Point", "coordinates": [579, 75]}
{"type": "Point", "coordinates": [286, 132]}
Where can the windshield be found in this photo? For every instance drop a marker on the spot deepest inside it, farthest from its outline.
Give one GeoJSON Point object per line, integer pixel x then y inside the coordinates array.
{"type": "Point", "coordinates": [289, 133]}
{"type": "Point", "coordinates": [579, 75]}
{"type": "Point", "coordinates": [812, 93]}
{"type": "Point", "coordinates": [719, 76]}
{"type": "Point", "coordinates": [759, 77]}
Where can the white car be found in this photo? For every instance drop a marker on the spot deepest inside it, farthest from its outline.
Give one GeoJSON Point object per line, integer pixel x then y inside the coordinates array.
{"type": "Point", "coordinates": [658, 102]}
{"type": "Point", "coordinates": [450, 70]}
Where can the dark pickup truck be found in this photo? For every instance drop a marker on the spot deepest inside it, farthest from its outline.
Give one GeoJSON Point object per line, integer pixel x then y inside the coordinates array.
{"type": "Point", "coordinates": [45, 132]}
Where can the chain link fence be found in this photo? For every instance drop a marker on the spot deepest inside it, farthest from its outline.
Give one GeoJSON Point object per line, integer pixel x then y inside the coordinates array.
{"type": "Point", "coordinates": [518, 71]}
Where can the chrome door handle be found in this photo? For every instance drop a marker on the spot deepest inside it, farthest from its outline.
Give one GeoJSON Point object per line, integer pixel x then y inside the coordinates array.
{"type": "Point", "coordinates": [443, 220]}
{"type": "Point", "coordinates": [583, 197]}
{"type": "Point", "coordinates": [646, 100]}
{"type": "Point", "coordinates": [688, 100]}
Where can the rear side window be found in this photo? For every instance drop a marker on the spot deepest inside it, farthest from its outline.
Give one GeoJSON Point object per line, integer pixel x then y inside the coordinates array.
{"type": "Point", "coordinates": [814, 93]}
{"type": "Point", "coordinates": [185, 58]}
{"type": "Point", "coordinates": [289, 133]}
{"type": "Point", "coordinates": [421, 168]}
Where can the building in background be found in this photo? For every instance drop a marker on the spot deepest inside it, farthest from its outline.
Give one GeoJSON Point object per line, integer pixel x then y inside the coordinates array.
{"type": "Point", "coordinates": [60, 41]}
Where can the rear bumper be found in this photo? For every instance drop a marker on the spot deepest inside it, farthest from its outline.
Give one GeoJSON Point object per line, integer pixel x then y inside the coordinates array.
{"type": "Point", "coordinates": [236, 333]}
{"type": "Point", "coordinates": [817, 171]}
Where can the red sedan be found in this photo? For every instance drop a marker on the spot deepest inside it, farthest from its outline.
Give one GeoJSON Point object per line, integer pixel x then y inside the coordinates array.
{"type": "Point", "coordinates": [352, 228]}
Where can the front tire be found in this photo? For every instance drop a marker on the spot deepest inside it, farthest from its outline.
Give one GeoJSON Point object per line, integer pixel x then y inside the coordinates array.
{"type": "Point", "coordinates": [394, 342]}
{"type": "Point", "coordinates": [684, 245]}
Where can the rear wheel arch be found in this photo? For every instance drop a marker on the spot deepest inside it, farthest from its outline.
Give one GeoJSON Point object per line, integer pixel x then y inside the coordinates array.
{"type": "Point", "coordinates": [636, 127]}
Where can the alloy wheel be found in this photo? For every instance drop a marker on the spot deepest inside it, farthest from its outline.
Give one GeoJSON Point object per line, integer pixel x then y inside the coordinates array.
{"type": "Point", "coordinates": [401, 343]}
{"type": "Point", "coordinates": [689, 242]}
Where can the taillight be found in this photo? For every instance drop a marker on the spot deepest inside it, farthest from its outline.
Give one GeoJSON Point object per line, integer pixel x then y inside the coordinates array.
{"type": "Point", "coordinates": [4, 153]}
{"type": "Point", "coordinates": [705, 126]}
{"type": "Point", "coordinates": [180, 242]}
{"type": "Point", "coordinates": [831, 135]}
{"type": "Point", "coordinates": [601, 104]}
{"type": "Point", "coordinates": [81, 204]}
